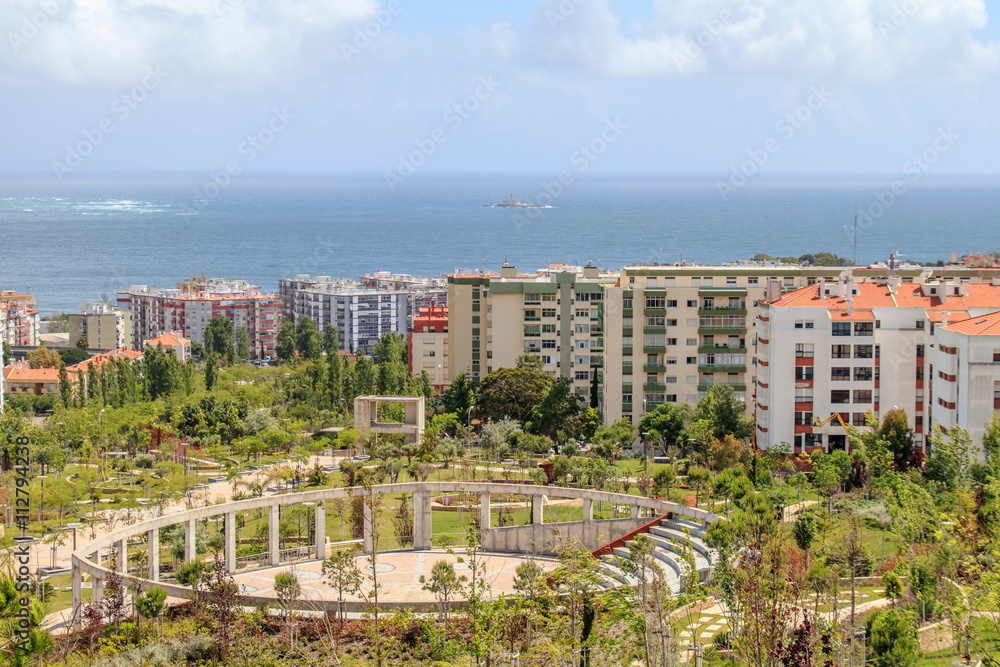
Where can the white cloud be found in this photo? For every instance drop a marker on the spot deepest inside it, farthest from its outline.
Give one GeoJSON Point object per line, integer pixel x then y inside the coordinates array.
{"type": "Point", "coordinates": [867, 40]}
{"type": "Point", "coordinates": [110, 42]}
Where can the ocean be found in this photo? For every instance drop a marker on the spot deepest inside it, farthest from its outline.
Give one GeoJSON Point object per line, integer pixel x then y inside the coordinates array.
{"type": "Point", "coordinates": [88, 237]}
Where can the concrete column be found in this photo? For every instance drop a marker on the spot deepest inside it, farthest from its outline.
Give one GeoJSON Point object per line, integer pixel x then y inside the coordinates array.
{"type": "Point", "coordinates": [190, 551]}
{"type": "Point", "coordinates": [537, 517]}
{"type": "Point", "coordinates": [369, 540]}
{"type": "Point", "coordinates": [153, 551]}
{"type": "Point", "coordinates": [421, 519]}
{"type": "Point", "coordinates": [635, 511]}
{"type": "Point", "coordinates": [274, 555]}
{"type": "Point", "coordinates": [588, 509]}
{"type": "Point", "coordinates": [319, 527]}
{"type": "Point", "coordinates": [77, 595]}
{"type": "Point", "coordinates": [229, 527]}
{"type": "Point", "coordinates": [123, 555]}
{"type": "Point", "coordinates": [97, 585]}
{"type": "Point", "coordinates": [484, 510]}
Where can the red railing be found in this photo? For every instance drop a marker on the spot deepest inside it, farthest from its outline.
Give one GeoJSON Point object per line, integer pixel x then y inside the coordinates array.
{"type": "Point", "coordinates": [620, 542]}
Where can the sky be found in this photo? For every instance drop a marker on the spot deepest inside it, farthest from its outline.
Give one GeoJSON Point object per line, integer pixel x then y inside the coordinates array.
{"type": "Point", "coordinates": [676, 86]}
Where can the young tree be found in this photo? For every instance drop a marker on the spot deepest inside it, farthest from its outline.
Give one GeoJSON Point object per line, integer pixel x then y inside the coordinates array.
{"type": "Point", "coordinates": [892, 638]}
{"type": "Point", "coordinates": [555, 410]}
{"type": "Point", "coordinates": [211, 371]}
{"type": "Point", "coordinates": [804, 532]}
{"type": "Point", "coordinates": [242, 344]}
{"type": "Point", "coordinates": [308, 342]}
{"type": "Point", "coordinates": [285, 347]}
{"type": "Point", "coordinates": [724, 413]}
{"type": "Point", "coordinates": [444, 583]}
{"type": "Point", "coordinates": [342, 573]}
{"type": "Point", "coordinates": [665, 425]}
{"type": "Point", "coordinates": [898, 435]}
{"type": "Point", "coordinates": [459, 396]}
{"type": "Point", "coordinates": [219, 338]}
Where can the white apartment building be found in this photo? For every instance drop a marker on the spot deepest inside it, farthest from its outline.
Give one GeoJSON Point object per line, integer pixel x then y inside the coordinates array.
{"type": "Point", "coordinates": [18, 319]}
{"type": "Point", "coordinates": [845, 347]}
{"type": "Point", "coordinates": [362, 314]}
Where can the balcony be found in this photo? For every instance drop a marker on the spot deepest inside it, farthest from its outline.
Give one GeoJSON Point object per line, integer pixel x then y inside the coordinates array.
{"type": "Point", "coordinates": [627, 312]}
{"type": "Point", "coordinates": [716, 329]}
{"type": "Point", "coordinates": [730, 349]}
{"type": "Point", "coordinates": [722, 368]}
{"type": "Point", "coordinates": [740, 310]}
{"type": "Point", "coordinates": [654, 311]}
{"type": "Point", "coordinates": [626, 331]}
{"type": "Point", "coordinates": [654, 368]}
{"type": "Point", "coordinates": [654, 330]}
{"type": "Point", "coordinates": [654, 386]}
{"type": "Point", "coordinates": [649, 349]}
{"type": "Point", "coordinates": [736, 387]}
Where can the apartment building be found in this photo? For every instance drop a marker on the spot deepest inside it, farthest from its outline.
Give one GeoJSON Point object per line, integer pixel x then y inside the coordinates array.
{"type": "Point", "coordinates": [18, 319]}
{"type": "Point", "coordinates": [427, 345]}
{"type": "Point", "coordinates": [105, 327]}
{"type": "Point", "coordinates": [362, 310]}
{"type": "Point", "coordinates": [554, 314]}
{"type": "Point", "coordinates": [843, 348]}
{"type": "Point", "coordinates": [157, 311]}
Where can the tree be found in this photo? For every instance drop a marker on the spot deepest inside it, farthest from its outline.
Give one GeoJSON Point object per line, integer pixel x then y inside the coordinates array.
{"type": "Point", "coordinates": [42, 357]}
{"type": "Point", "coordinates": [444, 583]}
{"type": "Point", "coordinates": [665, 424]}
{"type": "Point", "coordinates": [152, 603]}
{"type": "Point", "coordinates": [285, 347]}
{"type": "Point", "coordinates": [242, 344]}
{"type": "Point", "coordinates": [612, 439]}
{"type": "Point", "coordinates": [949, 456]}
{"type": "Point", "coordinates": [307, 339]}
{"type": "Point", "coordinates": [219, 338]}
{"type": "Point", "coordinates": [804, 532]}
{"type": "Point", "coordinates": [556, 409]}
{"type": "Point", "coordinates": [724, 413]}
{"type": "Point", "coordinates": [459, 396]}
{"type": "Point", "coordinates": [8, 353]}
{"type": "Point", "coordinates": [513, 392]}
{"type": "Point", "coordinates": [363, 376]}
{"type": "Point", "coordinates": [342, 573]}
{"type": "Point", "coordinates": [331, 340]}
{"type": "Point", "coordinates": [892, 638]}
{"type": "Point", "coordinates": [65, 389]}
{"type": "Point", "coordinates": [82, 343]}
{"type": "Point", "coordinates": [211, 371]}
{"type": "Point", "coordinates": [898, 435]}
{"type": "Point", "coordinates": [824, 259]}
{"type": "Point", "coordinates": [73, 355]}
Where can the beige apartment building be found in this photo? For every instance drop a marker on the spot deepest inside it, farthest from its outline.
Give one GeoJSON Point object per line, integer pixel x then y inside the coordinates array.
{"type": "Point", "coordinates": [105, 327]}
{"type": "Point", "coordinates": [553, 314]}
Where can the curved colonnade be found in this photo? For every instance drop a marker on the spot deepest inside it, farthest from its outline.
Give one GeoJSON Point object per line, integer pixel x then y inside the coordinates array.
{"type": "Point", "coordinates": [537, 537]}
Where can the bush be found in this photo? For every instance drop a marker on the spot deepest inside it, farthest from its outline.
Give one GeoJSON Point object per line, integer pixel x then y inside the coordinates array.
{"type": "Point", "coordinates": [892, 638]}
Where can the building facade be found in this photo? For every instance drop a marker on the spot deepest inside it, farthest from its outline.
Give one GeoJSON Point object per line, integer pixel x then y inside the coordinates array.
{"type": "Point", "coordinates": [105, 327]}
{"type": "Point", "coordinates": [554, 315]}
{"type": "Point", "coordinates": [157, 311]}
{"type": "Point", "coordinates": [427, 345]}
{"type": "Point", "coordinates": [362, 311]}
{"type": "Point", "coordinates": [836, 350]}
{"type": "Point", "coordinates": [18, 319]}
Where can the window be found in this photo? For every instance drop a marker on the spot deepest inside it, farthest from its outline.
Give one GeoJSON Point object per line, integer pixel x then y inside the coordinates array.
{"type": "Point", "coordinates": [840, 373]}
{"type": "Point", "coordinates": [671, 341]}
{"type": "Point", "coordinates": [813, 439]}
{"type": "Point", "coordinates": [671, 398]}
{"type": "Point", "coordinates": [840, 351]}
{"type": "Point", "coordinates": [671, 360]}
{"type": "Point", "coordinates": [547, 359]}
{"type": "Point", "coordinates": [531, 315]}
{"type": "Point", "coordinates": [627, 302]}
{"type": "Point", "coordinates": [920, 324]}
{"type": "Point", "coordinates": [671, 323]}
{"type": "Point", "coordinates": [430, 353]}
{"type": "Point", "coordinates": [731, 281]}
{"type": "Point", "coordinates": [692, 360]}
{"type": "Point", "coordinates": [691, 341]}
{"type": "Point", "coordinates": [809, 324]}
{"type": "Point", "coordinates": [858, 419]}
{"type": "Point", "coordinates": [656, 302]}
{"type": "Point", "coordinates": [582, 313]}
{"type": "Point", "coordinates": [582, 375]}
{"type": "Point", "coordinates": [803, 418]}
{"type": "Point", "coordinates": [920, 372]}
{"type": "Point", "coordinates": [531, 330]}
{"type": "Point", "coordinates": [864, 329]}
{"type": "Point", "coordinates": [656, 321]}
{"type": "Point", "coordinates": [751, 281]}
{"type": "Point", "coordinates": [803, 395]}
{"type": "Point", "coordinates": [548, 345]}
{"type": "Point", "coordinates": [841, 328]}
{"type": "Point", "coordinates": [840, 396]}
{"type": "Point", "coordinates": [548, 328]}
{"type": "Point", "coordinates": [532, 298]}
{"type": "Point", "coordinates": [862, 396]}
{"type": "Point", "coordinates": [863, 351]}
{"type": "Point", "coordinates": [863, 374]}
{"type": "Point", "coordinates": [671, 379]}
{"type": "Point", "coordinates": [671, 303]}
{"type": "Point", "coordinates": [804, 350]}
{"type": "Point", "coordinates": [803, 373]}
{"type": "Point", "coordinates": [548, 312]}
{"type": "Point", "coordinates": [692, 303]}
{"type": "Point", "coordinates": [654, 340]}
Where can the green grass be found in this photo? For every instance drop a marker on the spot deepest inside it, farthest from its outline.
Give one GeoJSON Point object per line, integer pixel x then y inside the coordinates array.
{"type": "Point", "coordinates": [985, 641]}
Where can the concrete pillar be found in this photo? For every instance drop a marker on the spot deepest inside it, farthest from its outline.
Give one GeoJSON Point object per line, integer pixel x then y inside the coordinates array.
{"type": "Point", "coordinates": [484, 510]}
{"type": "Point", "coordinates": [96, 582]}
{"type": "Point", "coordinates": [153, 557]}
{"type": "Point", "coordinates": [369, 519]}
{"type": "Point", "coordinates": [588, 509]}
{"type": "Point", "coordinates": [123, 555]}
{"type": "Point", "coordinates": [77, 595]}
{"type": "Point", "coordinates": [635, 511]}
{"type": "Point", "coordinates": [421, 519]}
{"type": "Point", "coordinates": [274, 555]}
{"type": "Point", "coordinates": [319, 527]}
{"type": "Point", "coordinates": [229, 528]}
{"type": "Point", "coordinates": [190, 551]}
{"type": "Point", "coordinates": [537, 516]}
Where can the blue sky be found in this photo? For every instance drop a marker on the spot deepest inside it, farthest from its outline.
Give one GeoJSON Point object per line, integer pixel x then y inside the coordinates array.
{"type": "Point", "coordinates": [694, 86]}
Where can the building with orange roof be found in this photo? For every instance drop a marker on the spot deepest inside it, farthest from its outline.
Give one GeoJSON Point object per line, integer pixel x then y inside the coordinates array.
{"type": "Point", "coordinates": [98, 360]}
{"type": "Point", "coordinates": [851, 347]}
{"type": "Point", "coordinates": [19, 378]}
{"type": "Point", "coordinates": [18, 319]}
{"type": "Point", "coordinates": [427, 345]}
{"type": "Point", "coordinates": [157, 311]}
{"type": "Point", "coordinates": [173, 340]}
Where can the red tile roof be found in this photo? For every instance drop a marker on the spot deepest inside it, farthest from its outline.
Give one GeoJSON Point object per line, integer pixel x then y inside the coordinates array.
{"type": "Point", "coordinates": [23, 373]}
{"type": "Point", "coordinates": [169, 339]}
{"type": "Point", "coordinates": [987, 325]}
{"type": "Point", "coordinates": [98, 360]}
{"type": "Point", "coordinates": [906, 295]}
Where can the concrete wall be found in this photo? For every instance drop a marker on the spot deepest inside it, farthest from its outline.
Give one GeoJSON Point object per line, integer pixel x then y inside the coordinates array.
{"type": "Point", "coordinates": [548, 538]}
